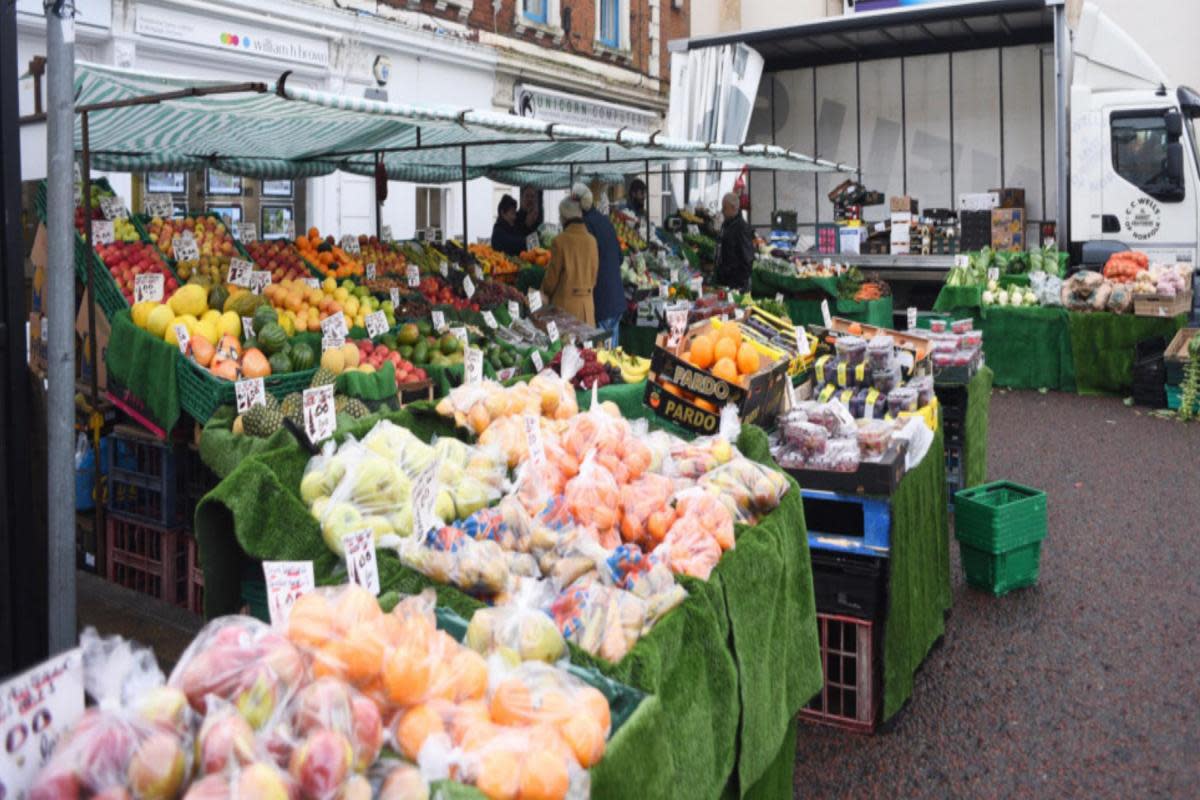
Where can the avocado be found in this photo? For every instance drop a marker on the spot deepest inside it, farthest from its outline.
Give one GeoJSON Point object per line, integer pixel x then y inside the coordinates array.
{"type": "Point", "coordinates": [420, 354]}
{"type": "Point", "coordinates": [449, 344]}
{"type": "Point", "coordinates": [425, 327]}
{"type": "Point", "coordinates": [406, 351]}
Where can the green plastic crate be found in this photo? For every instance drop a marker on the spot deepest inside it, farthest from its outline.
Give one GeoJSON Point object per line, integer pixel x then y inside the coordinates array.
{"type": "Point", "coordinates": [1175, 398]}
{"type": "Point", "coordinates": [1000, 573]}
{"type": "Point", "coordinates": [201, 393]}
{"type": "Point", "coordinates": [999, 516]}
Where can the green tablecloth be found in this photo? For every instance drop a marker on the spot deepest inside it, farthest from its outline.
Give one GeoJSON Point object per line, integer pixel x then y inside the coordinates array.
{"type": "Point", "coordinates": [803, 296]}
{"type": "Point", "coordinates": [730, 667]}
{"type": "Point", "coordinates": [975, 432]}
{"type": "Point", "coordinates": [1028, 348]}
{"type": "Point", "coordinates": [638, 340]}
{"type": "Point", "coordinates": [919, 578]}
{"type": "Point", "coordinates": [1103, 344]}
{"type": "Point", "coordinates": [530, 278]}
{"type": "Point", "coordinates": [145, 365]}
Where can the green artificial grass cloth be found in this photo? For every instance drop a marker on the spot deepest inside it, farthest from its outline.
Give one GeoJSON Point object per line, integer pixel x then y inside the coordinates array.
{"type": "Point", "coordinates": [730, 666]}
{"type": "Point", "coordinates": [530, 278]}
{"type": "Point", "coordinates": [222, 451]}
{"type": "Point", "coordinates": [803, 296]}
{"type": "Point", "coordinates": [374, 386]}
{"type": "Point", "coordinates": [637, 340]}
{"type": "Point", "coordinates": [1103, 347]}
{"type": "Point", "coordinates": [975, 432]}
{"type": "Point", "coordinates": [1028, 348]}
{"type": "Point", "coordinates": [145, 365]}
{"type": "Point", "coordinates": [870, 312]}
{"type": "Point", "coordinates": [959, 301]}
{"type": "Point", "coordinates": [779, 779]}
{"type": "Point", "coordinates": [919, 579]}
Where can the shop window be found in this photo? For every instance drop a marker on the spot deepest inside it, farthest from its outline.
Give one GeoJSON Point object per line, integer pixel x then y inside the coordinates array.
{"type": "Point", "coordinates": [608, 28]}
{"type": "Point", "coordinates": [535, 10]}
{"type": "Point", "coordinates": [431, 203]}
{"type": "Point", "coordinates": [1139, 150]}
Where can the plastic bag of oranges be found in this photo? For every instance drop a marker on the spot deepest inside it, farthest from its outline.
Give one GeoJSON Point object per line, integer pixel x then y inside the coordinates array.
{"type": "Point", "coordinates": [646, 513]}
{"type": "Point", "coordinates": [593, 497]}
{"type": "Point", "coordinates": [392, 779]}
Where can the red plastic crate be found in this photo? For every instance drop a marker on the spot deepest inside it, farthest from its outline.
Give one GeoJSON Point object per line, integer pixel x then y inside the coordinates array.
{"type": "Point", "coordinates": [849, 698]}
{"type": "Point", "coordinates": [195, 580]}
{"type": "Point", "coordinates": [147, 558]}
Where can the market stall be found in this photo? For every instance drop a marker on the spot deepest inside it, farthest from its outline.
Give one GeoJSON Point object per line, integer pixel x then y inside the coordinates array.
{"type": "Point", "coordinates": [803, 286]}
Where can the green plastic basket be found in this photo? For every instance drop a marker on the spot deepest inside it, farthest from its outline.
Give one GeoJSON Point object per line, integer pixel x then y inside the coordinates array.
{"type": "Point", "coordinates": [108, 296]}
{"type": "Point", "coordinates": [40, 194]}
{"type": "Point", "coordinates": [1000, 573]}
{"type": "Point", "coordinates": [999, 516]}
{"type": "Point", "coordinates": [139, 223]}
{"type": "Point", "coordinates": [201, 393]}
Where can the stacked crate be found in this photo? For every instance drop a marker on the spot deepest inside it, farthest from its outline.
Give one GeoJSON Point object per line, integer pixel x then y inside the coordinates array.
{"type": "Point", "coordinates": [953, 400]}
{"type": "Point", "coordinates": [1000, 527]}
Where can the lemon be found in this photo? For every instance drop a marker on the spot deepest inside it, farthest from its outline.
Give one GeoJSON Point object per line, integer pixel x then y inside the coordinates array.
{"type": "Point", "coordinates": [159, 319]}
{"type": "Point", "coordinates": [191, 299]}
{"type": "Point", "coordinates": [141, 312]}
{"type": "Point", "coordinates": [208, 330]}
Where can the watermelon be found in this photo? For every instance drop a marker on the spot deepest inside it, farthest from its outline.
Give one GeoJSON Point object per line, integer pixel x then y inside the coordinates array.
{"type": "Point", "coordinates": [303, 356]}
{"type": "Point", "coordinates": [271, 337]}
{"type": "Point", "coordinates": [281, 363]}
{"type": "Point", "coordinates": [263, 316]}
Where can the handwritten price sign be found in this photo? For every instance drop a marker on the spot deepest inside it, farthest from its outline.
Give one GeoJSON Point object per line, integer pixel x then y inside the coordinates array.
{"type": "Point", "coordinates": [259, 280]}
{"type": "Point", "coordinates": [376, 324]}
{"type": "Point", "coordinates": [535, 301]}
{"type": "Point", "coordinates": [286, 582]}
{"type": "Point", "coordinates": [148, 286]}
{"type": "Point", "coordinates": [335, 325]}
{"type": "Point", "coordinates": [361, 565]}
{"type": "Point", "coordinates": [350, 244]}
{"type": "Point", "coordinates": [36, 708]}
{"type": "Point", "coordinates": [250, 392]}
{"type": "Point", "coordinates": [320, 417]}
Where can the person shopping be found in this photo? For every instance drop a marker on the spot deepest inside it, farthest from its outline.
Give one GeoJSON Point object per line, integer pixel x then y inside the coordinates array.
{"type": "Point", "coordinates": [609, 295]}
{"type": "Point", "coordinates": [574, 263]}
{"type": "Point", "coordinates": [735, 247]}
{"type": "Point", "coordinates": [506, 236]}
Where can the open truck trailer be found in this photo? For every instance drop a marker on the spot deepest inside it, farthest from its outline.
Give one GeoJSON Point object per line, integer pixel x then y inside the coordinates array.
{"type": "Point", "coordinates": [938, 101]}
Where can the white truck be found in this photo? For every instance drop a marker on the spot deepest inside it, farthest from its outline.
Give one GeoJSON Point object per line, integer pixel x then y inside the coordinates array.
{"type": "Point", "coordinates": [937, 101]}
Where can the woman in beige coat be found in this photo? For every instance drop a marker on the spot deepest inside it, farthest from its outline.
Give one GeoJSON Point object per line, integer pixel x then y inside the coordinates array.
{"type": "Point", "coordinates": [574, 262]}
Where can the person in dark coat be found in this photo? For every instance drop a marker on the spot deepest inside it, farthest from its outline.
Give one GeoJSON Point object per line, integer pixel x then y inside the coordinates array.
{"type": "Point", "coordinates": [735, 247]}
{"type": "Point", "coordinates": [609, 295]}
{"type": "Point", "coordinates": [531, 214]}
{"type": "Point", "coordinates": [506, 237]}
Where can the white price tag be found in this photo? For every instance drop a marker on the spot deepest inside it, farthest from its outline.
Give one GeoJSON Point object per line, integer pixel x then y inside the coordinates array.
{"type": "Point", "coordinates": [514, 309]}
{"type": "Point", "coordinates": [36, 708]}
{"type": "Point", "coordinates": [350, 244]}
{"type": "Point", "coordinates": [535, 301]}
{"type": "Point", "coordinates": [414, 275]}
{"type": "Point", "coordinates": [827, 263]}
{"type": "Point", "coordinates": [158, 205]}
{"type": "Point", "coordinates": [113, 207]}
{"type": "Point", "coordinates": [664, 289]}
{"type": "Point", "coordinates": [247, 328]}
{"type": "Point", "coordinates": [247, 232]}
{"type": "Point", "coordinates": [102, 232]}
{"type": "Point", "coordinates": [473, 364]}
{"type": "Point", "coordinates": [259, 280]}
{"type": "Point", "coordinates": [286, 582]}
{"type": "Point", "coordinates": [506, 374]}
{"type": "Point", "coordinates": [677, 318]}
{"type": "Point", "coordinates": [696, 285]}
{"type": "Point", "coordinates": [532, 242]}
{"type": "Point", "coordinates": [825, 314]}
{"type": "Point", "coordinates": [239, 272]}
{"type": "Point", "coordinates": [993, 274]}
{"type": "Point", "coordinates": [148, 286]}
{"type": "Point", "coordinates": [536, 358]}
{"type": "Point", "coordinates": [468, 287]}
{"type": "Point", "coordinates": [312, 283]}
{"type": "Point", "coordinates": [962, 260]}
{"type": "Point", "coordinates": [320, 416]}
{"type": "Point", "coordinates": [181, 333]}
{"type": "Point", "coordinates": [376, 324]}
{"type": "Point", "coordinates": [335, 325]}
{"type": "Point", "coordinates": [386, 230]}
{"type": "Point", "coordinates": [250, 392]}
{"type": "Point", "coordinates": [332, 341]}
{"type": "Point", "coordinates": [361, 565]}
{"type": "Point", "coordinates": [424, 497]}
{"type": "Point", "coordinates": [552, 330]}
{"type": "Point", "coordinates": [570, 363]}
{"type": "Point", "coordinates": [394, 294]}
{"type": "Point", "coordinates": [444, 268]}
{"type": "Point", "coordinates": [489, 319]}
{"type": "Point", "coordinates": [439, 320]}
{"type": "Point", "coordinates": [779, 297]}
{"type": "Point", "coordinates": [533, 435]}
{"type": "Point", "coordinates": [460, 333]}
{"type": "Point", "coordinates": [911, 313]}
{"type": "Point", "coordinates": [674, 275]}
{"type": "Point", "coordinates": [184, 248]}
{"type": "Point", "coordinates": [369, 270]}
{"type": "Point", "coordinates": [801, 341]}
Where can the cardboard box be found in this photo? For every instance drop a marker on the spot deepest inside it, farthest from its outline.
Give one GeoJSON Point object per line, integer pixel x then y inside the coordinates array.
{"type": "Point", "coordinates": [904, 203]}
{"type": "Point", "coordinates": [982, 201]}
{"type": "Point", "coordinates": [1010, 198]}
{"type": "Point", "coordinates": [1153, 305]}
{"type": "Point", "coordinates": [1008, 229]}
{"type": "Point", "coordinates": [850, 238]}
{"type": "Point", "coordinates": [39, 256]}
{"type": "Point", "coordinates": [903, 218]}
{"type": "Point", "coordinates": [901, 239]}
{"type": "Point", "coordinates": [103, 331]}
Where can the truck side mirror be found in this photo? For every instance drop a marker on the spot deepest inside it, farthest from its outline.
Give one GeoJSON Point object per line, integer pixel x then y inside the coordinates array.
{"type": "Point", "coordinates": [1174, 121]}
{"type": "Point", "coordinates": [1175, 165]}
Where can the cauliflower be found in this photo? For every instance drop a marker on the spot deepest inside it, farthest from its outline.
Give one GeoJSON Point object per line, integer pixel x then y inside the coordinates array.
{"type": "Point", "coordinates": [1002, 298]}
{"type": "Point", "coordinates": [989, 298]}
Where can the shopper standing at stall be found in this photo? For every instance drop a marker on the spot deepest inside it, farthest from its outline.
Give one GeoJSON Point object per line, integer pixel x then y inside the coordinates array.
{"type": "Point", "coordinates": [735, 247]}
{"type": "Point", "coordinates": [531, 215]}
{"type": "Point", "coordinates": [609, 295]}
{"type": "Point", "coordinates": [636, 202]}
{"type": "Point", "coordinates": [506, 236]}
{"type": "Point", "coordinates": [574, 262]}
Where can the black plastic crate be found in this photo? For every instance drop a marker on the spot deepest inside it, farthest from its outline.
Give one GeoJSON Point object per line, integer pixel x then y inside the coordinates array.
{"type": "Point", "coordinates": [850, 585]}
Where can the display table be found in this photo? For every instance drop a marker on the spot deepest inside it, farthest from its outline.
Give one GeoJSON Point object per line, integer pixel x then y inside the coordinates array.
{"type": "Point", "coordinates": [803, 297]}
{"type": "Point", "coordinates": [730, 667]}
{"type": "Point", "coordinates": [975, 433]}
{"type": "Point", "coordinates": [1029, 348]}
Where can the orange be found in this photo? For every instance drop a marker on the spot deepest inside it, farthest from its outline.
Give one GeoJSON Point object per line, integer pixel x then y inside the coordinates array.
{"type": "Point", "coordinates": [311, 620]}
{"type": "Point", "coordinates": [747, 359]}
{"type": "Point", "coordinates": [406, 675]}
{"type": "Point", "coordinates": [511, 703]}
{"type": "Point", "coordinates": [726, 348]}
{"type": "Point", "coordinates": [330, 660]}
{"type": "Point", "coordinates": [701, 354]}
{"type": "Point", "coordinates": [730, 330]}
{"type": "Point", "coordinates": [499, 775]}
{"type": "Point", "coordinates": [585, 737]}
{"type": "Point", "coordinates": [468, 672]}
{"type": "Point", "coordinates": [544, 776]}
{"type": "Point", "coordinates": [364, 651]}
{"type": "Point", "coordinates": [356, 604]}
{"type": "Point", "coordinates": [725, 368]}
{"type": "Point", "coordinates": [596, 705]}
{"type": "Point", "coordinates": [415, 727]}
{"type": "Point", "coordinates": [657, 525]}
{"type": "Point", "coordinates": [554, 707]}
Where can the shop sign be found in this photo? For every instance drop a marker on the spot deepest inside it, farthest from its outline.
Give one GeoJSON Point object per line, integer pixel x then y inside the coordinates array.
{"type": "Point", "coordinates": [549, 105]}
{"type": "Point", "coordinates": [210, 31]}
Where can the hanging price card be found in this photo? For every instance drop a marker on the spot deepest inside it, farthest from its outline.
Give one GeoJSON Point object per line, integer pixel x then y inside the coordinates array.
{"type": "Point", "coordinates": [361, 565]}
{"type": "Point", "coordinates": [468, 287]}
{"type": "Point", "coordinates": [102, 232]}
{"type": "Point", "coordinates": [424, 496]}
{"type": "Point", "coordinates": [247, 232]}
{"type": "Point", "coordinates": [287, 582]}
{"type": "Point", "coordinates": [535, 301]}
{"type": "Point", "coordinates": [37, 708]}
{"type": "Point", "coordinates": [181, 334]}
{"type": "Point", "coordinates": [370, 270]}
{"type": "Point", "coordinates": [320, 417]}
{"type": "Point", "coordinates": [239, 272]}
{"type": "Point", "coordinates": [552, 330]}
{"type": "Point", "coordinates": [184, 248]}
{"type": "Point", "coordinates": [825, 314]}
{"type": "Point", "coordinates": [247, 328]}
{"type": "Point", "coordinates": [490, 319]}
{"type": "Point", "coordinates": [414, 276]}
{"type": "Point", "coordinates": [473, 362]}
{"type": "Point", "coordinates": [514, 309]}
{"type": "Point", "coordinates": [335, 324]}
{"type": "Point", "coordinates": [148, 286]}
{"type": "Point", "coordinates": [439, 320]}
{"type": "Point", "coordinates": [376, 324]}
{"type": "Point", "coordinates": [259, 280]}
{"type": "Point", "coordinates": [349, 243]}
{"type": "Point", "coordinates": [250, 392]}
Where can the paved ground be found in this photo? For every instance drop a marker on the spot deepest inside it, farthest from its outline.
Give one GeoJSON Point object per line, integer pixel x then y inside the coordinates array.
{"type": "Point", "coordinates": [1087, 685]}
{"type": "Point", "coordinates": [115, 610]}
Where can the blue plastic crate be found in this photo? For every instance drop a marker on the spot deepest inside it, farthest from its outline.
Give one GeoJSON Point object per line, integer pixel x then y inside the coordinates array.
{"type": "Point", "coordinates": [847, 523]}
{"type": "Point", "coordinates": [143, 482]}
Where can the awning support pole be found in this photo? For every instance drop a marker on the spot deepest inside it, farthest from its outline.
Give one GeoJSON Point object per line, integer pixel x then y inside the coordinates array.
{"type": "Point", "coordinates": [378, 205]}
{"type": "Point", "coordinates": [646, 168]}
{"type": "Point", "coordinates": [1062, 58]}
{"type": "Point", "coordinates": [466, 240]}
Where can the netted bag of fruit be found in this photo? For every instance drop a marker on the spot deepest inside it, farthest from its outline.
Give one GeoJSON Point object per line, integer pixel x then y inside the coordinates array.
{"type": "Point", "coordinates": [601, 620]}
{"type": "Point", "coordinates": [243, 661]}
{"type": "Point", "coordinates": [368, 491]}
{"type": "Point", "coordinates": [343, 633]}
{"type": "Point", "coordinates": [136, 740]}
{"type": "Point", "coordinates": [748, 489]}
{"type": "Point", "coordinates": [646, 511]}
{"type": "Point", "coordinates": [519, 630]}
{"type": "Point", "coordinates": [593, 496]}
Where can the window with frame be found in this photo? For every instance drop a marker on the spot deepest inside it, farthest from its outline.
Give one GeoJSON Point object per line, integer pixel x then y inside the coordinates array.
{"type": "Point", "coordinates": [535, 10]}
{"type": "Point", "coordinates": [608, 32]}
{"type": "Point", "coordinates": [430, 202]}
{"type": "Point", "coordinates": [1139, 149]}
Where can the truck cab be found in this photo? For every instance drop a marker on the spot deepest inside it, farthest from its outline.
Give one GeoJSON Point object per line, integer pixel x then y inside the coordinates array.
{"type": "Point", "coordinates": [1135, 157]}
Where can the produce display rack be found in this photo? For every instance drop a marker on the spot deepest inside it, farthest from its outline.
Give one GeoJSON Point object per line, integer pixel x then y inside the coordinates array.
{"type": "Point", "coordinates": [139, 223]}
{"type": "Point", "coordinates": [201, 393]}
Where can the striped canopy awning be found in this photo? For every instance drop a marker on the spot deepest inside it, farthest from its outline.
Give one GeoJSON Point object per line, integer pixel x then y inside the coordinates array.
{"type": "Point", "coordinates": [273, 130]}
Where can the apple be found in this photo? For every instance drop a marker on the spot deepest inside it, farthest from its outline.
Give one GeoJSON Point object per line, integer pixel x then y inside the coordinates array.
{"type": "Point", "coordinates": [165, 706]}
{"type": "Point", "coordinates": [225, 738]}
{"type": "Point", "coordinates": [262, 782]}
{"type": "Point", "coordinates": [259, 695]}
{"type": "Point", "coordinates": [322, 762]}
{"type": "Point", "coordinates": [53, 784]}
{"type": "Point", "coordinates": [156, 770]}
{"type": "Point", "coordinates": [210, 787]}
{"type": "Point", "coordinates": [368, 731]}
